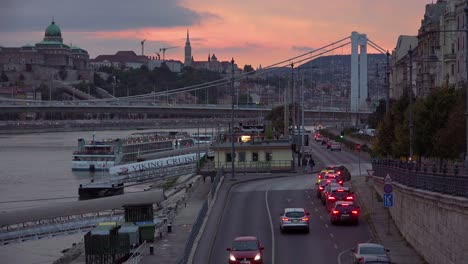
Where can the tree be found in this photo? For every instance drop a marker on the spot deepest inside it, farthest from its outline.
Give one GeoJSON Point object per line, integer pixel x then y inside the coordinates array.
{"type": "Point", "coordinates": [379, 114]}
{"type": "Point", "coordinates": [248, 68]}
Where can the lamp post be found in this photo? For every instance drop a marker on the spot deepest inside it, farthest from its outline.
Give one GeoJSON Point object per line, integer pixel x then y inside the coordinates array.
{"type": "Point", "coordinates": [466, 78]}
{"type": "Point", "coordinates": [233, 150]}
{"type": "Point", "coordinates": [387, 82]}
{"type": "Point", "coordinates": [293, 113]}
{"type": "Point", "coordinates": [410, 86]}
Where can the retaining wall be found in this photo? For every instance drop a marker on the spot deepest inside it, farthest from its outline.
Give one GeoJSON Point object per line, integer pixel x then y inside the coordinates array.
{"type": "Point", "coordinates": [435, 224]}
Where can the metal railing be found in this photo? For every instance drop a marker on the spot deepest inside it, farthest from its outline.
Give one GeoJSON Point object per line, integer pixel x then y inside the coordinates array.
{"type": "Point", "coordinates": [200, 218]}
{"type": "Point", "coordinates": [429, 178]}
{"type": "Point", "coordinates": [138, 255]}
{"type": "Point", "coordinates": [258, 166]}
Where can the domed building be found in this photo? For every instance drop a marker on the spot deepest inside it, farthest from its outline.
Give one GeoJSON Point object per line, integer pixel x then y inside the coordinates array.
{"type": "Point", "coordinates": [49, 58]}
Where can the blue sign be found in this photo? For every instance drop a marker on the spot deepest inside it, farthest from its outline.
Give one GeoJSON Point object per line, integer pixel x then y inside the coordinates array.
{"type": "Point", "coordinates": [388, 199]}
{"type": "Point", "coordinates": [388, 188]}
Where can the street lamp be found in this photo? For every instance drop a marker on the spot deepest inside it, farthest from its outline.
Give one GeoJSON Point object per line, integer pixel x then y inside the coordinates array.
{"type": "Point", "coordinates": [233, 150]}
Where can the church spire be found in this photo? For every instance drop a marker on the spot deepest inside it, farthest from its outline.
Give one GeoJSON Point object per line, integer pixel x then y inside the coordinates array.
{"type": "Point", "coordinates": [188, 37]}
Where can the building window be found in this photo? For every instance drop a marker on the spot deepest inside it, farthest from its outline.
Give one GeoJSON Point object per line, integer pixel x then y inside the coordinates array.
{"type": "Point", "coordinates": [255, 156]}
{"type": "Point", "coordinates": [268, 156]}
{"type": "Point", "coordinates": [228, 157]}
{"type": "Point", "coordinates": [242, 156]}
{"type": "Point", "coordinates": [458, 66]}
{"type": "Point", "coordinates": [453, 48]}
{"type": "Point", "coordinates": [453, 69]}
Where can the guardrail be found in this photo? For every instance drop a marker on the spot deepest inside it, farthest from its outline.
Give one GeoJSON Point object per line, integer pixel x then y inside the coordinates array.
{"type": "Point", "coordinates": [200, 218]}
{"type": "Point", "coordinates": [257, 166]}
{"type": "Point", "coordinates": [448, 181]}
{"type": "Point", "coordinates": [138, 255]}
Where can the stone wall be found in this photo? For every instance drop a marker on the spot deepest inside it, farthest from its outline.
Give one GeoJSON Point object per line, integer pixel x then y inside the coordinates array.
{"type": "Point", "coordinates": [433, 223]}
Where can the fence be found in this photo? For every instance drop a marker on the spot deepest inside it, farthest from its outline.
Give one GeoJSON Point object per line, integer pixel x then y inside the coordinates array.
{"type": "Point", "coordinates": [258, 166]}
{"type": "Point", "coordinates": [138, 255]}
{"type": "Point", "coordinates": [446, 180]}
{"type": "Point", "coordinates": [200, 218]}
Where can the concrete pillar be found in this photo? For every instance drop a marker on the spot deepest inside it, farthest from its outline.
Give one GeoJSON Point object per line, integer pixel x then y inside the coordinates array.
{"type": "Point", "coordinates": [354, 71]}
{"type": "Point", "coordinates": [363, 88]}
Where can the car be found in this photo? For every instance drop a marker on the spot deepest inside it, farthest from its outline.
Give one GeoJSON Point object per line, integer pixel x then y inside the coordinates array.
{"type": "Point", "coordinates": [323, 174]}
{"type": "Point", "coordinates": [246, 249]}
{"type": "Point", "coordinates": [294, 219]}
{"type": "Point", "coordinates": [343, 173]}
{"type": "Point", "coordinates": [339, 194]}
{"type": "Point", "coordinates": [335, 146]}
{"type": "Point", "coordinates": [344, 212]}
{"type": "Point", "coordinates": [329, 143]}
{"type": "Point", "coordinates": [324, 183]}
{"type": "Point", "coordinates": [369, 251]}
{"type": "Point", "coordinates": [331, 186]}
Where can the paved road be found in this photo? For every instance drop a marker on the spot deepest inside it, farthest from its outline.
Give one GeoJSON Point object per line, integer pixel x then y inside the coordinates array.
{"type": "Point", "coordinates": [253, 208]}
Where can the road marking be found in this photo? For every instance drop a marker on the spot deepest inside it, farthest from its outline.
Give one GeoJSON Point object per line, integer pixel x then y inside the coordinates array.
{"type": "Point", "coordinates": [336, 246]}
{"type": "Point", "coordinates": [331, 235]}
{"type": "Point", "coordinates": [316, 210]}
{"type": "Point", "coordinates": [326, 225]}
{"type": "Point", "coordinates": [312, 202]}
{"type": "Point", "coordinates": [308, 196]}
{"type": "Point", "coordinates": [272, 232]}
{"type": "Point", "coordinates": [321, 217]}
{"type": "Point", "coordinates": [347, 251]}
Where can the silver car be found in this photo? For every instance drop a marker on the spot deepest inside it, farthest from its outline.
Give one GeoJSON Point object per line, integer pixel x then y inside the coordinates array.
{"type": "Point", "coordinates": [293, 219]}
{"type": "Point", "coordinates": [365, 252]}
{"type": "Point", "coordinates": [335, 146]}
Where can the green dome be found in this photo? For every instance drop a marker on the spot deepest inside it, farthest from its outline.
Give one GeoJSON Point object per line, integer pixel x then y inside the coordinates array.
{"type": "Point", "coordinates": [53, 30]}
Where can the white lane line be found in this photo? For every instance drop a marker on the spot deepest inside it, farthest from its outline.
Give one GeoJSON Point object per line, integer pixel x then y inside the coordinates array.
{"type": "Point", "coordinates": [331, 235]}
{"type": "Point", "coordinates": [312, 202]}
{"type": "Point", "coordinates": [321, 217]}
{"type": "Point", "coordinates": [335, 245]}
{"type": "Point", "coordinates": [326, 225]}
{"type": "Point", "coordinates": [272, 232]}
{"type": "Point", "coordinates": [308, 196]}
{"type": "Point", "coordinates": [316, 210]}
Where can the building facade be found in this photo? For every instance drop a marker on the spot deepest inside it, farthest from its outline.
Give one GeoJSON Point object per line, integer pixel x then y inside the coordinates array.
{"type": "Point", "coordinates": [46, 60]}
{"type": "Point", "coordinates": [438, 52]}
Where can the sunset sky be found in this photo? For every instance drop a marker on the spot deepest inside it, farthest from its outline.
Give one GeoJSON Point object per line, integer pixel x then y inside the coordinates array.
{"type": "Point", "coordinates": [253, 32]}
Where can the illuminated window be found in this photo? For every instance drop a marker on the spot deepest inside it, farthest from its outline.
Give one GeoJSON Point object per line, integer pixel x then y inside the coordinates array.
{"type": "Point", "coordinates": [268, 156]}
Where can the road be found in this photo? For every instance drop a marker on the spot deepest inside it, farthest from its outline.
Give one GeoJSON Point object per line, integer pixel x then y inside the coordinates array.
{"type": "Point", "coordinates": [253, 208]}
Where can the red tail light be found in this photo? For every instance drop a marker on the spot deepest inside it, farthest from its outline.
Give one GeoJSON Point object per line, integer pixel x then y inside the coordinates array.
{"type": "Point", "coordinates": [285, 219]}
{"type": "Point", "coordinates": [335, 212]}
{"type": "Point", "coordinates": [320, 187]}
{"type": "Point", "coordinates": [340, 182]}
{"type": "Point", "coordinates": [305, 218]}
{"type": "Point", "coordinates": [339, 172]}
{"type": "Point", "coordinates": [354, 212]}
{"type": "Point", "coordinates": [320, 176]}
{"type": "Point", "coordinates": [349, 198]}
{"type": "Point", "coordinates": [340, 190]}
{"type": "Point", "coordinates": [331, 198]}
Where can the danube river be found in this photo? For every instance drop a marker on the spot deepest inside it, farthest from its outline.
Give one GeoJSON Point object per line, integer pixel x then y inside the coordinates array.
{"type": "Point", "coordinates": [35, 169]}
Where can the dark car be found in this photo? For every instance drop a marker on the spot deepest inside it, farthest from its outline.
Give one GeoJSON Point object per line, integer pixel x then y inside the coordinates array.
{"type": "Point", "coordinates": [339, 194]}
{"type": "Point", "coordinates": [323, 184]}
{"type": "Point", "coordinates": [344, 212]}
{"type": "Point", "coordinates": [343, 173]}
{"type": "Point", "coordinates": [328, 189]}
{"type": "Point", "coordinates": [246, 249]}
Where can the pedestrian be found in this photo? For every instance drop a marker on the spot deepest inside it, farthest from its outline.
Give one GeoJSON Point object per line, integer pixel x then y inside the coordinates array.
{"type": "Point", "coordinates": [311, 164]}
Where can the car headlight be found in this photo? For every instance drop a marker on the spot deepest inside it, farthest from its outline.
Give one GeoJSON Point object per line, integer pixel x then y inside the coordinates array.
{"type": "Point", "coordinates": [231, 257]}
{"type": "Point", "coordinates": [257, 257]}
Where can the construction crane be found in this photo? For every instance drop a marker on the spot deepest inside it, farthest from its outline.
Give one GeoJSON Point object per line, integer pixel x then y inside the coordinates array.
{"type": "Point", "coordinates": [142, 47]}
{"type": "Point", "coordinates": [164, 51]}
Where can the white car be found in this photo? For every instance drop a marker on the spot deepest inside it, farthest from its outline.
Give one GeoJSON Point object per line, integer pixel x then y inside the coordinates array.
{"type": "Point", "coordinates": [335, 146]}
{"type": "Point", "coordinates": [365, 252]}
{"type": "Point", "coordinates": [294, 218]}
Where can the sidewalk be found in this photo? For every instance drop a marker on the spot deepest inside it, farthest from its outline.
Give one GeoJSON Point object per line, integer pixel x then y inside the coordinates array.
{"type": "Point", "coordinates": [171, 246]}
{"type": "Point", "coordinates": [385, 233]}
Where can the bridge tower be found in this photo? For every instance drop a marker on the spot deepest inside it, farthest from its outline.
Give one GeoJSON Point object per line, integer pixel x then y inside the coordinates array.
{"type": "Point", "coordinates": [359, 89]}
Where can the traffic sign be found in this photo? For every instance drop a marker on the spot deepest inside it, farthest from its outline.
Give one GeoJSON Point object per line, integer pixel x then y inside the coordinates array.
{"type": "Point", "coordinates": [388, 188]}
{"type": "Point", "coordinates": [388, 199]}
{"type": "Point", "coordinates": [388, 179]}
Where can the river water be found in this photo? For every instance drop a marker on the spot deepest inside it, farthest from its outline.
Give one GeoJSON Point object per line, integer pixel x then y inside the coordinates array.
{"type": "Point", "coordinates": [35, 169]}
